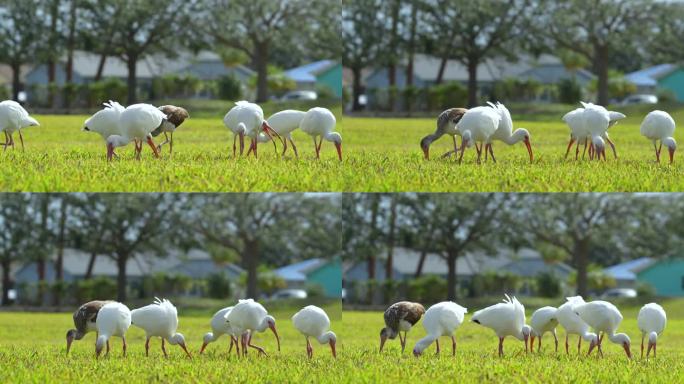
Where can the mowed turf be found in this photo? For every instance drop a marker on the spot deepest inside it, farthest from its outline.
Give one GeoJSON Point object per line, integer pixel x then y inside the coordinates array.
{"type": "Point", "coordinates": [32, 349]}
{"type": "Point", "coordinates": [477, 360]}
{"type": "Point", "coordinates": [59, 157]}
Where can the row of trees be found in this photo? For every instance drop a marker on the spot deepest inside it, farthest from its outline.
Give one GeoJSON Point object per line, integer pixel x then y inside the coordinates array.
{"type": "Point", "coordinates": [250, 229]}
{"type": "Point", "coordinates": [596, 34]}
{"type": "Point", "coordinates": [578, 228]}
{"type": "Point", "coordinates": [256, 32]}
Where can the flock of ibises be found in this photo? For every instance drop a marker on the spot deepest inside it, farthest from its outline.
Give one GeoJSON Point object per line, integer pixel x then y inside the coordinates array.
{"type": "Point", "coordinates": [508, 319]}
{"type": "Point", "coordinates": [160, 319]}
{"type": "Point", "coordinates": [139, 123]}
{"type": "Point", "coordinates": [481, 126]}
{"type": "Point", "coordinates": [478, 127]}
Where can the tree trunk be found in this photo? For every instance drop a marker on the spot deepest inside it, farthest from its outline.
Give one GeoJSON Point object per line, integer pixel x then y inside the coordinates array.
{"type": "Point", "coordinates": [5, 282]}
{"type": "Point", "coordinates": [394, 47]}
{"type": "Point", "coordinates": [261, 63]}
{"type": "Point", "coordinates": [59, 263]}
{"type": "Point", "coordinates": [421, 262]}
{"type": "Point", "coordinates": [581, 256]}
{"type": "Point", "coordinates": [375, 204]}
{"type": "Point", "coordinates": [451, 277]}
{"type": "Point", "coordinates": [121, 262]}
{"type": "Point", "coordinates": [442, 68]}
{"type": "Point", "coordinates": [357, 89]}
{"type": "Point", "coordinates": [51, 62]}
{"type": "Point", "coordinates": [602, 61]}
{"type": "Point", "coordinates": [16, 80]}
{"type": "Point", "coordinates": [472, 82]}
{"type": "Point", "coordinates": [132, 79]}
{"type": "Point", "coordinates": [411, 45]}
{"type": "Point", "coordinates": [251, 261]}
{"type": "Point", "coordinates": [71, 43]}
{"type": "Point", "coordinates": [91, 265]}
{"type": "Point", "coordinates": [100, 67]}
{"type": "Point", "coordinates": [389, 266]}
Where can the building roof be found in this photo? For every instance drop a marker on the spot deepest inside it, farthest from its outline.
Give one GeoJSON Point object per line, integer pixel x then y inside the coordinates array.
{"type": "Point", "coordinates": [629, 269]}
{"type": "Point", "coordinates": [307, 72]}
{"type": "Point", "coordinates": [299, 270]}
{"type": "Point", "coordinates": [649, 77]}
{"type": "Point", "coordinates": [553, 73]}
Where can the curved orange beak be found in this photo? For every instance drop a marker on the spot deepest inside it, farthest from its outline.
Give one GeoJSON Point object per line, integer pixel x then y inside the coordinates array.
{"type": "Point", "coordinates": [204, 345]}
{"type": "Point", "coordinates": [332, 348]}
{"type": "Point", "coordinates": [531, 343]}
{"type": "Point", "coordinates": [426, 152]}
{"type": "Point", "coordinates": [273, 328]}
{"type": "Point", "coordinates": [672, 151]}
{"type": "Point", "coordinates": [186, 350]}
{"type": "Point", "coordinates": [69, 340]}
{"type": "Point", "coordinates": [382, 342]}
{"type": "Point", "coordinates": [339, 150]}
{"type": "Point", "coordinates": [110, 151]}
{"type": "Point", "coordinates": [529, 148]}
{"type": "Point", "coordinates": [627, 350]}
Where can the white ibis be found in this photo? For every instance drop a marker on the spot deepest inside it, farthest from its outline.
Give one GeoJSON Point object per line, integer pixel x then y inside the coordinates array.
{"type": "Point", "coordinates": [320, 122]}
{"type": "Point", "coordinates": [247, 317]}
{"type": "Point", "coordinates": [312, 321]}
{"type": "Point", "coordinates": [604, 317]}
{"type": "Point", "coordinates": [446, 125]}
{"type": "Point", "coordinates": [247, 119]}
{"type": "Point", "coordinates": [159, 319]}
{"type": "Point", "coordinates": [543, 320]}
{"type": "Point", "coordinates": [113, 319]}
{"type": "Point", "coordinates": [579, 128]}
{"type": "Point", "coordinates": [400, 317]}
{"type": "Point", "coordinates": [175, 116]}
{"type": "Point", "coordinates": [106, 122]}
{"type": "Point", "coordinates": [505, 319]}
{"type": "Point", "coordinates": [220, 327]}
{"type": "Point", "coordinates": [84, 321]}
{"type": "Point", "coordinates": [13, 117]}
{"type": "Point", "coordinates": [477, 126]}
{"type": "Point", "coordinates": [651, 321]}
{"type": "Point", "coordinates": [137, 123]}
{"type": "Point", "coordinates": [284, 123]}
{"type": "Point", "coordinates": [505, 132]}
{"type": "Point", "coordinates": [573, 324]}
{"type": "Point", "coordinates": [441, 319]}
{"type": "Point", "coordinates": [660, 126]}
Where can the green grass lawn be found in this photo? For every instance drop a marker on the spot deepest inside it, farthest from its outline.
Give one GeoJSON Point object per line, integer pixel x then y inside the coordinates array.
{"type": "Point", "coordinates": [379, 155]}
{"type": "Point", "coordinates": [32, 349]}
{"type": "Point", "coordinates": [476, 355]}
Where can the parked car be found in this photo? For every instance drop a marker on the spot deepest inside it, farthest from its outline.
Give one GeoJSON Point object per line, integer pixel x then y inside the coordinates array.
{"type": "Point", "coordinates": [299, 95]}
{"type": "Point", "coordinates": [619, 292]}
{"type": "Point", "coordinates": [640, 99]}
{"type": "Point", "coordinates": [289, 294]}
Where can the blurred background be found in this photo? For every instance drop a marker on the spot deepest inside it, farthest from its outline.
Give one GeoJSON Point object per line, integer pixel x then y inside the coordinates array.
{"type": "Point", "coordinates": [68, 56]}
{"type": "Point", "coordinates": [410, 57]}
{"type": "Point", "coordinates": [201, 251]}
{"type": "Point", "coordinates": [474, 247]}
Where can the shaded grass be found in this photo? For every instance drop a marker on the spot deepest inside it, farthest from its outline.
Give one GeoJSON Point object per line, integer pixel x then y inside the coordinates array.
{"type": "Point", "coordinates": [476, 356]}
{"type": "Point", "coordinates": [32, 349]}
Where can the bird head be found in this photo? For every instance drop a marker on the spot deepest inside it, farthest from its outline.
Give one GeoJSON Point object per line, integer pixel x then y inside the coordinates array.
{"type": "Point", "coordinates": [386, 333]}
{"type": "Point", "coordinates": [526, 140]}
{"type": "Point", "coordinates": [671, 145]}
{"type": "Point", "coordinates": [271, 323]}
{"type": "Point", "coordinates": [99, 345]}
{"type": "Point", "coordinates": [179, 339]}
{"type": "Point", "coordinates": [29, 122]}
{"type": "Point", "coordinates": [623, 339]}
{"type": "Point", "coordinates": [526, 332]}
{"type": "Point", "coordinates": [336, 138]}
{"type": "Point", "coordinates": [115, 141]}
{"type": "Point", "coordinates": [71, 335]}
{"type": "Point", "coordinates": [208, 338]}
{"type": "Point", "coordinates": [425, 146]}
{"type": "Point", "coordinates": [332, 340]}
{"type": "Point", "coordinates": [466, 140]}
{"type": "Point", "coordinates": [269, 131]}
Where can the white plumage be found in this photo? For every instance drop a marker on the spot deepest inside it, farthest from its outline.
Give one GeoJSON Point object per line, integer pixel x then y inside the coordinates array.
{"type": "Point", "coordinates": [248, 317]}
{"type": "Point", "coordinates": [159, 319]}
{"type": "Point", "coordinates": [247, 119]}
{"type": "Point", "coordinates": [441, 319]}
{"type": "Point", "coordinates": [477, 126]}
{"type": "Point", "coordinates": [588, 125]}
{"type": "Point", "coordinates": [504, 132]}
{"type": "Point", "coordinates": [13, 117]}
{"type": "Point", "coordinates": [660, 126]}
{"type": "Point", "coordinates": [312, 321]}
{"type": "Point", "coordinates": [505, 319]}
{"type": "Point", "coordinates": [219, 327]}
{"type": "Point", "coordinates": [604, 317]}
{"type": "Point", "coordinates": [284, 123]}
{"type": "Point", "coordinates": [320, 122]}
{"type": "Point", "coordinates": [105, 122]}
{"type": "Point", "coordinates": [543, 320]}
{"type": "Point", "coordinates": [651, 321]}
{"type": "Point", "coordinates": [114, 319]}
{"type": "Point", "coordinates": [573, 324]}
{"type": "Point", "coordinates": [136, 123]}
